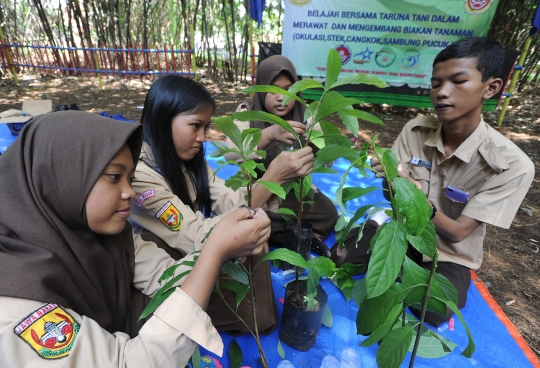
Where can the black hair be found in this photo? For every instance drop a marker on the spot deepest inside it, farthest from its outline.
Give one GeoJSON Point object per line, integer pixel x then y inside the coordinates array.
{"type": "Point", "coordinates": [488, 53]}
{"type": "Point", "coordinates": [169, 96]}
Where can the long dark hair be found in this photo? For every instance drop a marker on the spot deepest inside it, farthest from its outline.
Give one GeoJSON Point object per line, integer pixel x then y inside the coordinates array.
{"type": "Point", "coordinates": [169, 96]}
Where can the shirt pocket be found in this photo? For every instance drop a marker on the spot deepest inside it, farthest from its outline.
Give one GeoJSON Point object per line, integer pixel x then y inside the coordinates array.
{"type": "Point", "coordinates": [452, 208]}
{"type": "Point", "coordinates": [419, 172]}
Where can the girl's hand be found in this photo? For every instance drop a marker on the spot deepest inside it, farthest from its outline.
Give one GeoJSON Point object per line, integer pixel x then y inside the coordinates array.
{"type": "Point", "coordinates": [289, 166]}
{"type": "Point", "coordinates": [240, 233]}
{"type": "Point", "coordinates": [279, 134]}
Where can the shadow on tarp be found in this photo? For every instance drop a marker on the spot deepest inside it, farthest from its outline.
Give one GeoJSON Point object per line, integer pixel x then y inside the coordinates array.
{"type": "Point", "coordinates": [495, 346]}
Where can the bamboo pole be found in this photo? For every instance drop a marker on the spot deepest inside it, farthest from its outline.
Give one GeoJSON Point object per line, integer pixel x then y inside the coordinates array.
{"type": "Point", "coordinates": [9, 59]}
{"type": "Point", "coordinates": [514, 79]}
{"type": "Point", "coordinates": [192, 47]}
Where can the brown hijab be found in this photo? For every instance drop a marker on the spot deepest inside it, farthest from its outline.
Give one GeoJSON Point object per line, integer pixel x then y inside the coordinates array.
{"type": "Point", "coordinates": [269, 69]}
{"type": "Point", "coordinates": [47, 251]}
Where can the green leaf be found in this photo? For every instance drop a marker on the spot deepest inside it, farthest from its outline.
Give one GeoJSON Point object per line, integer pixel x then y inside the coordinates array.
{"type": "Point", "coordinates": [333, 102]}
{"type": "Point", "coordinates": [390, 162]}
{"type": "Point", "coordinates": [412, 204]}
{"type": "Point", "coordinates": [327, 318]}
{"type": "Point", "coordinates": [264, 116]}
{"type": "Point", "coordinates": [273, 188]}
{"type": "Point", "coordinates": [352, 222]}
{"type": "Point", "coordinates": [333, 152]}
{"type": "Point", "coordinates": [355, 192]}
{"type": "Point", "coordinates": [312, 282]}
{"type": "Point", "coordinates": [361, 78]}
{"type": "Point", "coordinates": [325, 266]}
{"type": "Point", "coordinates": [253, 140]}
{"type": "Point", "coordinates": [425, 243]}
{"type": "Point", "coordinates": [387, 258]}
{"type": "Point", "coordinates": [228, 127]}
{"type": "Point", "coordinates": [469, 350]}
{"type": "Point", "coordinates": [341, 222]}
{"type": "Point", "coordinates": [236, 272]}
{"type": "Point", "coordinates": [444, 288]}
{"type": "Point", "coordinates": [249, 167]}
{"type": "Point", "coordinates": [222, 149]}
{"type": "Point", "coordinates": [272, 89]}
{"type": "Point", "coordinates": [280, 350]}
{"type": "Point", "coordinates": [169, 272]}
{"type": "Point", "coordinates": [386, 327]}
{"type": "Point", "coordinates": [239, 289]}
{"type": "Point", "coordinates": [345, 284]}
{"type": "Point", "coordinates": [394, 347]}
{"type": "Point", "coordinates": [235, 183]}
{"type": "Point", "coordinates": [329, 128]}
{"type": "Point", "coordinates": [322, 141]}
{"type": "Point", "coordinates": [359, 291]}
{"type": "Point", "coordinates": [235, 355]}
{"type": "Point", "coordinates": [286, 255]}
{"type": "Point", "coordinates": [300, 86]}
{"type": "Point", "coordinates": [155, 303]}
{"type": "Point", "coordinates": [286, 211]}
{"type": "Point", "coordinates": [310, 110]}
{"type": "Point", "coordinates": [364, 116]}
{"type": "Point", "coordinates": [333, 68]}
{"type": "Point", "coordinates": [416, 277]}
{"type": "Point", "coordinates": [196, 358]}
{"type": "Point", "coordinates": [350, 122]}
{"type": "Point", "coordinates": [324, 170]}
{"type": "Point", "coordinates": [433, 345]}
{"type": "Point", "coordinates": [306, 185]}
{"type": "Point", "coordinates": [373, 311]}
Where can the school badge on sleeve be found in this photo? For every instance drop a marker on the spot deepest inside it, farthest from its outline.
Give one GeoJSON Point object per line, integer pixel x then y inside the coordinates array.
{"type": "Point", "coordinates": [49, 330]}
{"type": "Point", "coordinates": [170, 216]}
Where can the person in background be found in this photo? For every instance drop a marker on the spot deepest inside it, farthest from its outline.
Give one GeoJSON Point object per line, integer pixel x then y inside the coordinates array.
{"type": "Point", "coordinates": [322, 214]}
{"type": "Point", "coordinates": [71, 266]}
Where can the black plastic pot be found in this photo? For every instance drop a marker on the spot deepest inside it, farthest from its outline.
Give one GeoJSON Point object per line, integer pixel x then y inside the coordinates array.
{"type": "Point", "coordinates": [299, 327]}
{"type": "Point", "coordinates": [290, 241]}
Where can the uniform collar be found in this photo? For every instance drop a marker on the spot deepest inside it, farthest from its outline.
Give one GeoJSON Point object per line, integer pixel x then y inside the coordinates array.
{"type": "Point", "coordinates": [479, 141]}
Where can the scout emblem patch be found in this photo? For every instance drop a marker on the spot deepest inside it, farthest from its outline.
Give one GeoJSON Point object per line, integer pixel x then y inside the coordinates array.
{"type": "Point", "coordinates": [170, 216]}
{"type": "Point", "coordinates": [49, 330]}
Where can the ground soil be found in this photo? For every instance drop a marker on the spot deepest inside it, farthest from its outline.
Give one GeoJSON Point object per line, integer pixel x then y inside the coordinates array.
{"type": "Point", "coordinates": [511, 257]}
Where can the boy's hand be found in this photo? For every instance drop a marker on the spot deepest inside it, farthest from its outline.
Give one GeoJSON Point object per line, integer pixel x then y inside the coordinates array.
{"type": "Point", "coordinates": [289, 166]}
{"type": "Point", "coordinates": [240, 233]}
{"type": "Point", "coordinates": [279, 134]}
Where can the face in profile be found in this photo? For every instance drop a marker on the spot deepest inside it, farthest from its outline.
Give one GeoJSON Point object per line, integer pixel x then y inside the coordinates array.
{"type": "Point", "coordinates": [273, 101]}
{"type": "Point", "coordinates": [109, 201]}
{"type": "Point", "coordinates": [189, 132]}
{"type": "Point", "coordinates": [457, 91]}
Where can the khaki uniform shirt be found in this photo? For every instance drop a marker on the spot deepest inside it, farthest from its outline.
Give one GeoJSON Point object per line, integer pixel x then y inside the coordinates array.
{"type": "Point", "coordinates": [157, 209]}
{"type": "Point", "coordinates": [490, 167]}
{"type": "Point", "coordinates": [167, 339]}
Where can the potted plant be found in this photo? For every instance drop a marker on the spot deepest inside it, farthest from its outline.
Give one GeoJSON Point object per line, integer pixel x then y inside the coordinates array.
{"type": "Point", "coordinates": [393, 281]}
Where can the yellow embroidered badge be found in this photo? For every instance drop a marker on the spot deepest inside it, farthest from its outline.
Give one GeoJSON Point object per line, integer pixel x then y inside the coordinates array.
{"type": "Point", "coordinates": [49, 330]}
{"type": "Point", "coordinates": [170, 216]}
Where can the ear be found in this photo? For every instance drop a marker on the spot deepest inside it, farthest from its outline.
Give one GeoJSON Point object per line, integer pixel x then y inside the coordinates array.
{"type": "Point", "coordinates": [493, 85]}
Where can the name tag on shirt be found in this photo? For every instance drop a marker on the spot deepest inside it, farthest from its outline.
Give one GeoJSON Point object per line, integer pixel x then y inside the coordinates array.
{"type": "Point", "coordinates": [419, 162]}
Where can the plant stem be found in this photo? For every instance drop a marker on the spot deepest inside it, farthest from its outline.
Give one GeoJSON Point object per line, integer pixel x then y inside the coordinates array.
{"type": "Point", "coordinates": [264, 362]}
{"type": "Point", "coordinates": [299, 229]}
{"type": "Point", "coordinates": [253, 311]}
{"type": "Point", "coordinates": [424, 308]}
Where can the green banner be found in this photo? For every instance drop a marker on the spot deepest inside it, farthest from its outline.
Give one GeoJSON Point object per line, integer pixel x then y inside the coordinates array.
{"type": "Point", "coordinates": [397, 40]}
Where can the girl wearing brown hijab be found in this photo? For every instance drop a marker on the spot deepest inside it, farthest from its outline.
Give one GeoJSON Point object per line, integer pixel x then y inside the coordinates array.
{"type": "Point", "coordinates": [279, 71]}
{"type": "Point", "coordinates": [70, 264]}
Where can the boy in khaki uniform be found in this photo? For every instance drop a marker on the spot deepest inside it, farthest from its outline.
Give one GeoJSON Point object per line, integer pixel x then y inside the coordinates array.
{"type": "Point", "coordinates": [470, 173]}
